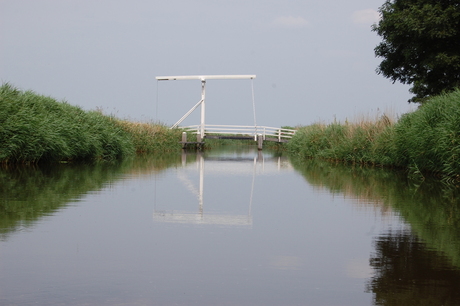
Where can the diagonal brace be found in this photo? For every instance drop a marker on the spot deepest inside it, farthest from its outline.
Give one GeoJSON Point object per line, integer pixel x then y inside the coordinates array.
{"type": "Point", "coordinates": [187, 114]}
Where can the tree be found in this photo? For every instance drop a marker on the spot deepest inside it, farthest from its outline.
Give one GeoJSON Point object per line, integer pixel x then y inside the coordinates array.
{"type": "Point", "coordinates": [421, 45]}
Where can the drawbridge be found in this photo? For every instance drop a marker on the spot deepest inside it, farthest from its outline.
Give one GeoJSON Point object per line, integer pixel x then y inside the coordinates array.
{"type": "Point", "coordinates": [206, 131]}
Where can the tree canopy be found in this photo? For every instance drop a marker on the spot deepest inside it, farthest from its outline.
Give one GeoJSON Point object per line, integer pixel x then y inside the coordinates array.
{"type": "Point", "coordinates": [421, 45]}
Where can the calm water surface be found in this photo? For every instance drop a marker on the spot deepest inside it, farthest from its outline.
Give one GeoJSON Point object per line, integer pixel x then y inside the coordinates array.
{"type": "Point", "coordinates": [227, 227]}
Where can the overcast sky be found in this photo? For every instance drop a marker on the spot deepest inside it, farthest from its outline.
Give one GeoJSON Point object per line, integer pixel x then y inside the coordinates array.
{"type": "Point", "coordinates": [314, 60]}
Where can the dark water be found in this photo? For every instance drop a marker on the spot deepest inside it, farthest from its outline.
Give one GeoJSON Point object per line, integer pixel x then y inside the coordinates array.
{"type": "Point", "coordinates": [231, 227]}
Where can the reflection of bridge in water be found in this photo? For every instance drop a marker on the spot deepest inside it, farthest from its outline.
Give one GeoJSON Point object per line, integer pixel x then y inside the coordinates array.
{"type": "Point", "coordinates": [221, 165]}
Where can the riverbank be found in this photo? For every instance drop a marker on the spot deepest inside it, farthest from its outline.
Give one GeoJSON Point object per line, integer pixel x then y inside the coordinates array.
{"type": "Point", "coordinates": [36, 128]}
{"type": "Point", "coordinates": [424, 141]}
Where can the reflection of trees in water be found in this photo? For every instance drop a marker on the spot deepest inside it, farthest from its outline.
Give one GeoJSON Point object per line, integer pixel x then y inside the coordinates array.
{"type": "Point", "coordinates": [28, 193]}
{"type": "Point", "coordinates": [408, 273]}
{"type": "Point", "coordinates": [365, 185]}
{"type": "Point", "coordinates": [407, 270]}
{"type": "Point", "coordinates": [430, 207]}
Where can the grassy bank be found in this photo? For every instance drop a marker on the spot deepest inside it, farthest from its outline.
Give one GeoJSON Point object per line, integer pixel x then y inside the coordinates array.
{"type": "Point", "coordinates": [429, 139]}
{"type": "Point", "coordinates": [36, 128]}
{"type": "Point", "coordinates": [424, 141]}
{"type": "Point", "coordinates": [360, 142]}
{"type": "Point", "coordinates": [151, 138]}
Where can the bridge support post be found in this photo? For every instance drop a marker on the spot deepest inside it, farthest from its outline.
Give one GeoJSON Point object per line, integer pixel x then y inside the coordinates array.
{"type": "Point", "coordinates": [184, 140]}
{"type": "Point", "coordinates": [260, 141]}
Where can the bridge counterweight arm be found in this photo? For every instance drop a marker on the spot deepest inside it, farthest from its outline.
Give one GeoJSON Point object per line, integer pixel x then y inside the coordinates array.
{"type": "Point", "coordinates": [205, 77]}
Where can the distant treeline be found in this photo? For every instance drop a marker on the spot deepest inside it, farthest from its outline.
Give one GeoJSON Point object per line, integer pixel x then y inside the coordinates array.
{"type": "Point", "coordinates": [424, 141]}
{"type": "Point", "coordinates": [36, 128]}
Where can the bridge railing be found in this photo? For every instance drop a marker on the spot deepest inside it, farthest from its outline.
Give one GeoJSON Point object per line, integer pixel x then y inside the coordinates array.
{"type": "Point", "coordinates": [268, 133]}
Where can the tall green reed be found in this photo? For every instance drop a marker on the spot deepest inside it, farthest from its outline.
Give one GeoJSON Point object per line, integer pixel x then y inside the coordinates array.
{"type": "Point", "coordinates": [424, 141]}
{"type": "Point", "coordinates": [36, 128]}
{"type": "Point", "coordinates": [357, 142]}
{"type": "Point", "coordinates": [150, 137]}
{"type": "Point", "coordinates": [429, 139]}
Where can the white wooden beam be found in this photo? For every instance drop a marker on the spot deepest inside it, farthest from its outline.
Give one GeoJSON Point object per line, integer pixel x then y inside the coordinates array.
{"type": "Point", "coordinates": [205, 77]}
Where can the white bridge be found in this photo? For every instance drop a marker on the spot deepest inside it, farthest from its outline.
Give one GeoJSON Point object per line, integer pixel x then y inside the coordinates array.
{"type": "Point", "coordinates": [243, 132]}
{"type": "Point", "coordinates": [203, 130]}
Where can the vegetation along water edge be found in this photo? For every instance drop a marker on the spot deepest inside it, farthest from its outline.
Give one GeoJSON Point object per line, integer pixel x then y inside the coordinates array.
{"type": "Point", "coordinates": [424, 141]}
{"type": "Point", "coordinates": [36, 128]}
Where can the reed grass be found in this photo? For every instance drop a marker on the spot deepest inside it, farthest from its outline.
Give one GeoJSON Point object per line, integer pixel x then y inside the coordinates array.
{"type": "Point", "coordinates": [363, 141]}
{"type": "Point", "coordinates": [151, 137]}
{"type": "Point", "coordinates": [424, 141]}
{"type": "Point", "coordinates": [429, 139]}
{"type": "Point", "coordinates": [36, 128]}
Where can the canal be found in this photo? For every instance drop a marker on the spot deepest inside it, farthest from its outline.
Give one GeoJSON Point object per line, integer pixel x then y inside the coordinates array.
{"type": "Point", "coordinates": [232, 226]}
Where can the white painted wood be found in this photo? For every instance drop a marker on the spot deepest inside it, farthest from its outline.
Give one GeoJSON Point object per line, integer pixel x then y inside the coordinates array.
{"type": "Point", "coordinates": [265, 131]}
{"type": "Point", "coordinates": [187, 114]}
{"type": "Point", "coordinates": [203, 106]}
{"type": "Point", "coordinates": [206, 77]}
{"type": "Point", "coordinates": [201, 128]}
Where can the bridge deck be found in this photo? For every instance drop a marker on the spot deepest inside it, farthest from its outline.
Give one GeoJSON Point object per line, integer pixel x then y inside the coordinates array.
{"type": "Point", "coordinates": [255, 133]}
{"type": "Point", "coordinates": [241, 137]}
